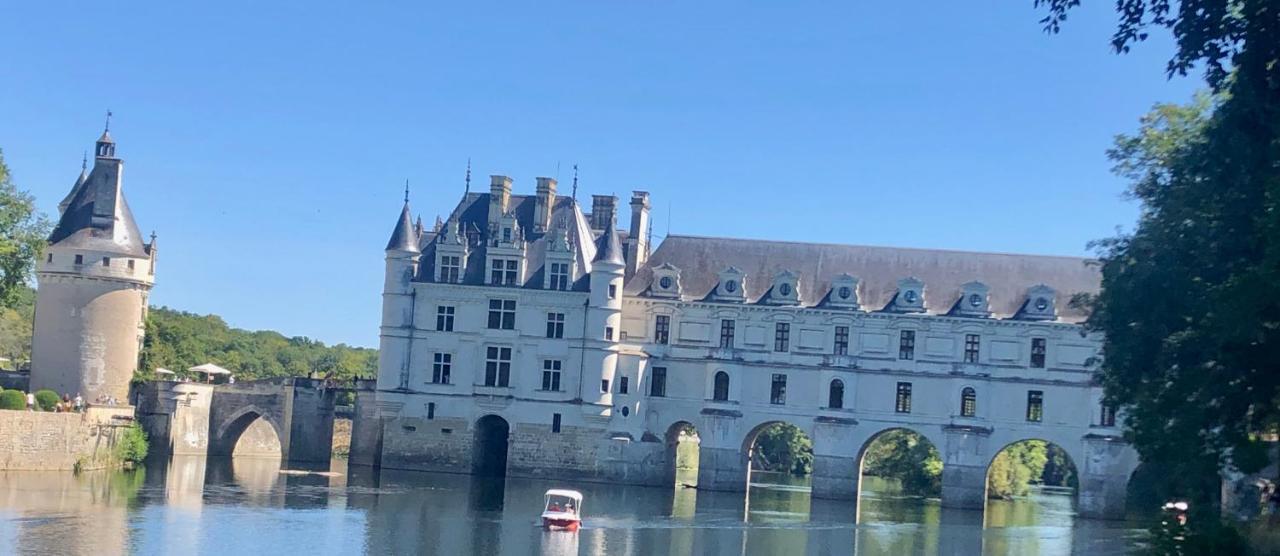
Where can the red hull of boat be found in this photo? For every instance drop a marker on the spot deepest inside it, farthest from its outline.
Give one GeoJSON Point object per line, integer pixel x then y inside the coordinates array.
{"type": "Point", "coordinates": [566, 524]}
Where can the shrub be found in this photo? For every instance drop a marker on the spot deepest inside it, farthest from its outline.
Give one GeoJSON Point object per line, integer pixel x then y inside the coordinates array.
{"type": "Point", "coordinates": [132, 446]}
{"type": "Point", "coordinates": [13, 399]}
{"type": "Point", "coordinates": [46, 400]}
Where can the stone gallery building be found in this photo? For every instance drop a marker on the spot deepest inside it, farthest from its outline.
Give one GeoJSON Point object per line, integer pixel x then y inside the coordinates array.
{"type": "Point", "coordinates": [528, 337]}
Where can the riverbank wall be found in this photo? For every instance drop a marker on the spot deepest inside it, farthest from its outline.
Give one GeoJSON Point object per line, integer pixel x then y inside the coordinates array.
{"type": "Point", "coordinates": [49, 441]}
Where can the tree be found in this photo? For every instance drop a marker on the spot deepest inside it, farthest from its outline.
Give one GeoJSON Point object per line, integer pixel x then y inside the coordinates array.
{"type": "Point", "coordinates": [1016, 467]}
{"type": "Point", "coordinates": [906, 456]}
{"type": "Point", "coordinates": [15, 327]}
{"type": "Point", "coordinates": [1190, 301]}
{"type": "Point", "coordinates": [22, 235]}
{"type": "Point", "coordinates": [786, 448]}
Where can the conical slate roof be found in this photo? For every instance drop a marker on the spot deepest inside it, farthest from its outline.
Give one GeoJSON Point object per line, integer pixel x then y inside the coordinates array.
{"type": "Point", "coordinates": [610, 248]}
{"type": "Point", "coordinates": [66, 201]}
{"type": "Point", "coordinates": [404, 237]}
{"type": "Point", "coordinates": [97, 217]}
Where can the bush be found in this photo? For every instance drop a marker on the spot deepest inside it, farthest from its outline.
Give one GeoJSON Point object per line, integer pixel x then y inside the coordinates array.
{"type": "Point", "coordinates": [13, 399]}
{"type": "Point", "coordinates": [132, 446]}
{"type": "Point", "coordinates": [46, 400]}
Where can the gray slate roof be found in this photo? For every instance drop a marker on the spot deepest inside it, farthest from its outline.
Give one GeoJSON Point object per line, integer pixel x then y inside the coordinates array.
{"type": "Point", "coordinates": [404, 237]}
{"type": "Point", "coordinates": [97, 217]}
{"type": "Point", "coordinates": [701, 259]}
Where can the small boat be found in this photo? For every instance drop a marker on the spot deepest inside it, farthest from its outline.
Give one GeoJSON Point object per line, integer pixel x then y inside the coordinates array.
{"type": "Point", "coordinates": [562, 510]}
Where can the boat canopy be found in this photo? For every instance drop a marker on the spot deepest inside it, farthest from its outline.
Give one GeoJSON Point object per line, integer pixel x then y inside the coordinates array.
{"type": "Point", "coordinates": [573, 494]}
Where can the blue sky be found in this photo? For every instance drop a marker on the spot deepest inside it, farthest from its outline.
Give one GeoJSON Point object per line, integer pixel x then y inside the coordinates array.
{"type": "Point", "coordinates": [267, 144]}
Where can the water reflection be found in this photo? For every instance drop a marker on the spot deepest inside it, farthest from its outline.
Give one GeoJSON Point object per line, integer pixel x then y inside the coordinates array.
{"type": "Point", "coordinates": [245, 505]}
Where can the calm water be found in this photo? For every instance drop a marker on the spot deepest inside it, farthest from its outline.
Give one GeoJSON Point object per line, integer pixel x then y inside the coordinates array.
{"type": "Point", "coordinates": [246, 506]}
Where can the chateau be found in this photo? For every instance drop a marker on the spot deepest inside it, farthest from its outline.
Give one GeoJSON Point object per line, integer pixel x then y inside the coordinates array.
{"type": "Point", "coordinates": [528, 337]}
{"type": "Point", "coordinates": [94, 281]}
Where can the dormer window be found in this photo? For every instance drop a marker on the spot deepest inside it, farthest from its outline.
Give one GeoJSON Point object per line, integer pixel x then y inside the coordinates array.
{"type": "Point", "coordinates": [731, 286]}
{"type": "Point", "coordinates": [785, 289]}
{"type": "Point", "coordinates": [973, 301]}
{"type": "Point", "coordinates": [1040, 304]}
{"type": "Point", "coordinates": [844, 292]}
{"type": "Point", "coordinates": [559, 276]}
{"type": "Point", "coordinates": [450, 269]}
{"type": "Point", "coordinates": [506, 235]}
{"type": "Point", "coordinates": [666, 281]}
{"type": "Point", "coordinates": [504, 272]}
{"type": "Point", "coordinates": [910, 297]}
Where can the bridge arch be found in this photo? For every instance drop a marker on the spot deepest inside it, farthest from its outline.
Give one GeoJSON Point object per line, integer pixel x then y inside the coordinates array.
{"type": "Point", "coordinates": [491, 440]}
{"type": "Point", "coordinates": [1003, 477]}
{"type": "Point", "coordinates": [681, 454]}
{"type": "Point", "coordinates": [227, 432]}
{"type": "Point", "coordinates": [921, 444]}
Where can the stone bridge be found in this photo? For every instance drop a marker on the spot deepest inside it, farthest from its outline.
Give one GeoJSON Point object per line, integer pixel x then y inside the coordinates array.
{"type": "Point", "coordinates": [185, 418]}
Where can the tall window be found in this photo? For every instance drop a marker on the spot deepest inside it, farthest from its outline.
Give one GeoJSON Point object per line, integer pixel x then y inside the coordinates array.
{"type": "Point", "coordinates": [608, 333]}
{"type": "Point", "coordinates": [624, 385]}
{"type": "Point", "coordinates": [444, 318]}
{"type": "Point", "coordinates": [555, 325]}
{"type": "Point", "coordinates": [658, 382]}
{"type": "Point", "coordinates": [106, 261]}
{"type": "Point", "coordinates": [903, 403]}
{"type": "Point", "coordinates": [497, 366]}
{"type": "Point", "coordinates": [727, 327]}
{"type": "Point", "coordinates": [1037, 352]}
{"type": "Point", "coordinates": [551, 375]}
{"type": "Point", "coordinates": [662, 329]}
{"type": "Point", "coordinates": [504, 272]}
{"type": "Point", "coordinates": [613, 291]}
{"type": "Point", "coordinates": [79, 259]}
{"type": "Point", "coordinates": [1035, 406]}
{"type": "Point", "coordinates": [1108, 418]}
{"type": "Point", "coordinates": [502, 314]}
{"type": "Point", "coordinates": [720, 388]}
{"type": "Point", "coordinates": [555, 422]}
{"type": "Point", "coordinates": [782, 336]}
{"type": "Point", "coordinates": [907, 344]}
{"type": "Point", "coordinates": [441, 368]}
{"type": "Point", "coordinates": [842, 340]}
{"type": "Point", "coordinates": [778, 390]}
{"type": "Point", "coordinates": [450, 269]}
{"type": "Point", "coordinates": [559, 276]}
{"type": "Point", "coordinates": [968, 402]}
{"type": "Point", "coordinates": [835, 394]}
{"type": "Point", "coordinates": [971, 343]}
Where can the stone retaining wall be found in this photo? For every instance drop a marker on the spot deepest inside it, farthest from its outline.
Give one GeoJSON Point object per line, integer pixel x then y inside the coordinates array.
{"type": "Point", "coordinates": [46, 441]}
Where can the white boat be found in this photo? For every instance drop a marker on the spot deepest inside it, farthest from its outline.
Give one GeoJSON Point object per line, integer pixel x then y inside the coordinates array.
{"type": "Point", "coordinates": [562, 509]}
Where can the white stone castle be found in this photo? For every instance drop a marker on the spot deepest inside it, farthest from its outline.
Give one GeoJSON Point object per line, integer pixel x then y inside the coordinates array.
{"type": "Point", "coordinates": [524, 336]}
{"type": "Point", "coordinates": [94, 281]}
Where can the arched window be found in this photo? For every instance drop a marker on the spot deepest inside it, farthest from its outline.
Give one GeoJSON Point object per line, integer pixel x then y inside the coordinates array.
{"type": "Point", "coordinates": [835, 394]}
{"type": "Point", "coordinates": [968, 402]}
{"type": "Point", "coordinates": [721, 391]}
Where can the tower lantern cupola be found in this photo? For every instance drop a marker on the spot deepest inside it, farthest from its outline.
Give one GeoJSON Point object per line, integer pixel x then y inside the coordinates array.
{"type": "Point", "coordinates": [106, 146]}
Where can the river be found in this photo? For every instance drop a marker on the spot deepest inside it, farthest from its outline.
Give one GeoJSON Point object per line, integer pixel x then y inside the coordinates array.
{"type": "Point", "coordinates": [242, 506]}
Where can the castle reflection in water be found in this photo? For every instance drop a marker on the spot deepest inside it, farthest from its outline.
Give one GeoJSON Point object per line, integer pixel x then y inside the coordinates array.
{"type": "Point", "coordinates": [247, 505]}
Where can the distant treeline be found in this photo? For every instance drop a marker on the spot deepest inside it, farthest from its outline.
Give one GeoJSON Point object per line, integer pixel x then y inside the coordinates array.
{"type": "Point", "coordinates": [177, 340]}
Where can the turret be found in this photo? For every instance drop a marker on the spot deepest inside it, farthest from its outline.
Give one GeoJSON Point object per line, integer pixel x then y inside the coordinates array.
{"type": "Point", "coordinates": [94, 282]}
{"type": "Point", "coordinates": [604, 315]}
{"type": "Point", "coordinates": [402, 255]}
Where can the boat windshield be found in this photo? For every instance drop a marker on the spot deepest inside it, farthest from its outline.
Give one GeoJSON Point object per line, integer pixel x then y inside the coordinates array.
{"type": "Point", "coordinates": [557, 503]}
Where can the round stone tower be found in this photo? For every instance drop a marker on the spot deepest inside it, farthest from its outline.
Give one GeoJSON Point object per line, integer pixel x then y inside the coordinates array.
{"type": "Point", "coordinates": [94, 279]}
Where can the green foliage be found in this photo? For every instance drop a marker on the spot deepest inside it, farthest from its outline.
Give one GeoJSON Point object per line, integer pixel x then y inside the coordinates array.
{"type": "Point", "coordinates": [906, 456]}
{"type": "Point", "coordinates": [13, 399]}
{"type": "Point", "coordinates": [22, 235]}
{"type": "Point", "coordinates": [46, 400]}
{"type": "Point", "coordinates": [15, 326]}
{"type": "Point", "coordinates": [132, 445]}
{"type": "Point", "coordinates": [1016, 467]}
{"type": "Point", "coordinates": [1218, 34]}
{"type": "Point", "coordinates": [178, 340]}
{"type": "Point", "coordinates": [784, 447]}
{"type": "Point", "coordinates": [1190, 303]}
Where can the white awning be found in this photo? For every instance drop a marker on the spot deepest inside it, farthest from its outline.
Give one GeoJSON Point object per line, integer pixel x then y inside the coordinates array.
{"type": "Point", "coordinates": [209, 369]}
{"type": "Point", "coordinates": [164, 371]}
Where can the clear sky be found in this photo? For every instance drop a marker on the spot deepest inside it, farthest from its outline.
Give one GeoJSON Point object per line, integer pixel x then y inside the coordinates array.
{"type": "Point", "coordinates": [267, 144]}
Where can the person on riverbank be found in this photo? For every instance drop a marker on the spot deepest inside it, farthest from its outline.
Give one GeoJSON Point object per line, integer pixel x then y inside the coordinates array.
{"type": "Point", "coordinates": [31, 401]}
{"type": "Point", "coordinates": [78, 403]}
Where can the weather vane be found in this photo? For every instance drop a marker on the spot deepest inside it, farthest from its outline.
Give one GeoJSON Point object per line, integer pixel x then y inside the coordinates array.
{"type": "Point", "coordinates": [575, 182]}
{"type": "Point", "coordinates": [468, 184]}
{"type": "Point", "coordinates": [406, 190]}
{"type": "Point", "coordinates": [107, 127]}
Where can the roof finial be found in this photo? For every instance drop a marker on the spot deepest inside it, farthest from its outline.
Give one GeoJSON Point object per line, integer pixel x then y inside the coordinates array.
{"type": "Point", "coordinates": [406, 191]}
{"type": "Point", "coordinates": [107, 127]}
{"type": "Point", "coordinates": [575, 183]}
{"type": "Point", "coordinates": [84, 161]}
{"type": "Point", "coordinates": [153, 236]}
{"type": "Point", "coordinates": [468, 183]}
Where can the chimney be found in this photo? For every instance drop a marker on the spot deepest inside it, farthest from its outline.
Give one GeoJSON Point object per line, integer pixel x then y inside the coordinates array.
{"type": "Point", "coordinates": [602, 211]}
{"type": "Point", "coordinates": [638, 238]}
{"type": "Point", "coordinates": [545, 205]}
{"type": "Point", "coordinates": [499, 198]}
